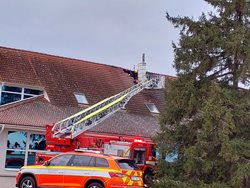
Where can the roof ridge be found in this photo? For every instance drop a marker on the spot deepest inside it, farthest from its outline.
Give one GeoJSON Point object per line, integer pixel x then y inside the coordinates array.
{"type": "Point", "coordinates": [20, 102]}
{"type": "Point", "coordinates": [58, 56]}
{"type": "Point", "coordinates": [75, 59]}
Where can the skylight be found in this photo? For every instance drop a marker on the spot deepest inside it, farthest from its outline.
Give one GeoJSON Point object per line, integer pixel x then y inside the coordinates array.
{"type": "Point", "coordinates": [152, 108]}
{"type": "Point", "coordinates": [81, 98]}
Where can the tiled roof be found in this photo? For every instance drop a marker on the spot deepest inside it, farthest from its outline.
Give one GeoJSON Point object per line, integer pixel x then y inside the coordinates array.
{"type": "Point", "coordinates": [36, 111]}
{"type": "Point", "coordinates": [60, 77]}
{"type": "Point", "coordinates": [39, 112]}
{"type": "Point", "coordinates": [129, 124]}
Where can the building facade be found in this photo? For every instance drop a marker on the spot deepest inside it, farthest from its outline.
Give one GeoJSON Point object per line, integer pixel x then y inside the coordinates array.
{"type": "Point", "coordinates": [38, 89]}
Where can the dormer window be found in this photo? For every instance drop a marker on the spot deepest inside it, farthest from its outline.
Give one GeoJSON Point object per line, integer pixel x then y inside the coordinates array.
{"type": "Point", "coordinates": [81, 98]}
{"type": "Point", "coordinates": [10, 93]}
{"type": "Point", "coordinates": [152, 108]}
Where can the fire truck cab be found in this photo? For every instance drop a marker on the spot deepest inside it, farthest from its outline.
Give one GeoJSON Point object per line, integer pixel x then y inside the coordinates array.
{"type": "Point", "coordinates": [143, 153]}
{"type": "Point", "coordinates": [140, 151]}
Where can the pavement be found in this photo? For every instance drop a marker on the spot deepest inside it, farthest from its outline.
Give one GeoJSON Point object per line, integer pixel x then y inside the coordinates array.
{"type": "Point", "coordinates": [7, 182]}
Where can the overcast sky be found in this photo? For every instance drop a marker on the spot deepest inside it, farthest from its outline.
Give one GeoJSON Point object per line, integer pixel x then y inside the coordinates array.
{"type": "Point", "coordinates": [113, 32]}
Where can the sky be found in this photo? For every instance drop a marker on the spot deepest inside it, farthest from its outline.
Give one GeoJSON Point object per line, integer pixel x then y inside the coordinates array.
{"type": "Point", "coordinates": [113, 32]}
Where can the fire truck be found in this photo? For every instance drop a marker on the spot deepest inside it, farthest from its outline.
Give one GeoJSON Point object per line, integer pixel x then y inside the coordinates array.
{"type": "Point", "coordinates": [71, 133]}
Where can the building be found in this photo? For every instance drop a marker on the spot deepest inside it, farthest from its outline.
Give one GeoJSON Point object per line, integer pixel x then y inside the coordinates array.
{"type": "Point", "coordinates": [37, 89]}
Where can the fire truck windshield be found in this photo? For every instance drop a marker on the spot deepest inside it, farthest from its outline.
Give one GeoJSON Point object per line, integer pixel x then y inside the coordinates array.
{"type": "Point", "coordinates": [139, 155]}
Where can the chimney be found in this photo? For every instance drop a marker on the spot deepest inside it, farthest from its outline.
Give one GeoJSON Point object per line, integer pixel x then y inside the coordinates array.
{"type": "Point", "coordinates": [142, 69]}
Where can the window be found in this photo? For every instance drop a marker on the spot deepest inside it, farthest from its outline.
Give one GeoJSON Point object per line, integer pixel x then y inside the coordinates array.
{"type": "Point", "coordinates": [32, 91]}
{"type": "Point", "coordinates": [11, 88]}
{"type": "Point", "coordinates": [14, 159]}
{"type": "Point", "coordinates": [152, 108]}
{"type": "Point", "coordinates": [139, 155]}
{"type": "Point", "coordinates": [61, 160]}
{"type": "Point", "coordinates": [127, 164]}
{"type": "Point", "coordinates": [15, 153]}
{"type": "Point", "coordinates": [84, 160]}
{"type": "Point", "coordinates": [81, 98]}
{"type": "Point", "coordinates": [100, 162]}
{"type": "Point", "coordinates": [10, 94]}
{"type": "Point", "coordinates": [81, 160]}
{"type": "Point", "coordinates": [31, 158]}
{"type": "Point", "coordinates": [22, 147]}
{"type": "Point", "coordinates": [92, 162]}
{"type": "Point", "coordinates": [9, 97]}
{"type": "Point", "coordinates": [37, 142]}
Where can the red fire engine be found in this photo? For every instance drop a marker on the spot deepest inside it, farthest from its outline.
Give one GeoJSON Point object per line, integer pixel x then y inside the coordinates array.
{"type": "Point", "coordinates": [70, 134]}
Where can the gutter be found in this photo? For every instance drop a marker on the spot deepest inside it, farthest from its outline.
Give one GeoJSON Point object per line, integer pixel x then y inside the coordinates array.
{"type": "Point", "coordinates": [21, 127]}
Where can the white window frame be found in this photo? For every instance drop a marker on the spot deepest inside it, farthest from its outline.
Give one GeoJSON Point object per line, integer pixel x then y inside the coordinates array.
{"type": "Point", "coordinates": [19, 93]}
{"type": "Point", "coordinates": [85, 100]}
{"type": "Point", "coordinates": [11, 149]}
{"type": "Point", "coordinates": [26, 150]}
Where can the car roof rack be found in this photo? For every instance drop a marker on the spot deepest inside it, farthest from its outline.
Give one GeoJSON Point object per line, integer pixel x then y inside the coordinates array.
{"type": "Point", "coordinates": [87, 150]}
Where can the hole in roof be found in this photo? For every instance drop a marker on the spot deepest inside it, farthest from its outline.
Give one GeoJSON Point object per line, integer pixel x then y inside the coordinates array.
{"type": "Point", "coordinates": [81, 98]}
{"type": "Point", "coordinates": [152, 108]}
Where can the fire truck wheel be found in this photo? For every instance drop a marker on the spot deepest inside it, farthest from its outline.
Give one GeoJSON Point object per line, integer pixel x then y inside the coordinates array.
{"type": "Point", "coordinates": [148, 177]}
{"type": "Point", "coordinates": [27, 182]}
{"type": "Point", "coordinates": [95, 185]}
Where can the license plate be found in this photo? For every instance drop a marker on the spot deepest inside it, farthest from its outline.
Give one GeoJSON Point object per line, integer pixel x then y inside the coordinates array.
{"type": "Point", "coordinates": [134, 178]}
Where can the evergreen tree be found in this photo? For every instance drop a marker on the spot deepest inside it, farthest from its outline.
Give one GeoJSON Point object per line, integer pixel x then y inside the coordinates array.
{"type": "Point", "coordinates": [207, 116]}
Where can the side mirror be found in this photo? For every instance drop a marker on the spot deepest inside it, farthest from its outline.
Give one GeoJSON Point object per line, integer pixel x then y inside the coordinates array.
{"type": "Point", "coordinates": [46, 163]}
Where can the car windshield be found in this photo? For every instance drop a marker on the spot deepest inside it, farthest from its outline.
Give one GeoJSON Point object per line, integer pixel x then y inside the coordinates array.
{"type": "Point", "coordinates": [127, 164]}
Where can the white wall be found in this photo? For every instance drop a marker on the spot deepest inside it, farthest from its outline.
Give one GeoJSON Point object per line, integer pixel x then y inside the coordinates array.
{"type": "Point", "coordinates": [3, 146]}
{"type": "Point", "coordinates": [7, 182]}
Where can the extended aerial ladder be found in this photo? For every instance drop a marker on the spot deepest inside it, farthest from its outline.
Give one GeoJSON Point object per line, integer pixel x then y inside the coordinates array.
{"type": "Point", "coordinates": [70, 134]}
{"type": "Point", "coordinates": [84, 120]}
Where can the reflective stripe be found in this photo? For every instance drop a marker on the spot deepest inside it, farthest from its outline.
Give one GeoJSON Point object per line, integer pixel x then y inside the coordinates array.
{"type": "Point", "coordinates": [85, 110]}
{"type": "Point", "coordinates": [140, 183]}
{"type": "Point", "coordinates": [101, 109]}
{"type": "Point", "coordinates": [67, 172]}
{"type": "Point", "coordinates": [70, 171]}
{"type": "Point", "coordinates": [130, 182]}
{"type": "Point", "coordinates": [71, 168]}
{"type": "Point", "coordinates": [127, 179]}
{"type": "Point", "coordinates": [33, 171]}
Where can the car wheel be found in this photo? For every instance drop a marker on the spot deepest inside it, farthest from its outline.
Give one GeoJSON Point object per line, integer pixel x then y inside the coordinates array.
{"type": "Point", "coordinates": [27, 182]}
{"type": "Point", "coordinates": [95, 185]}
